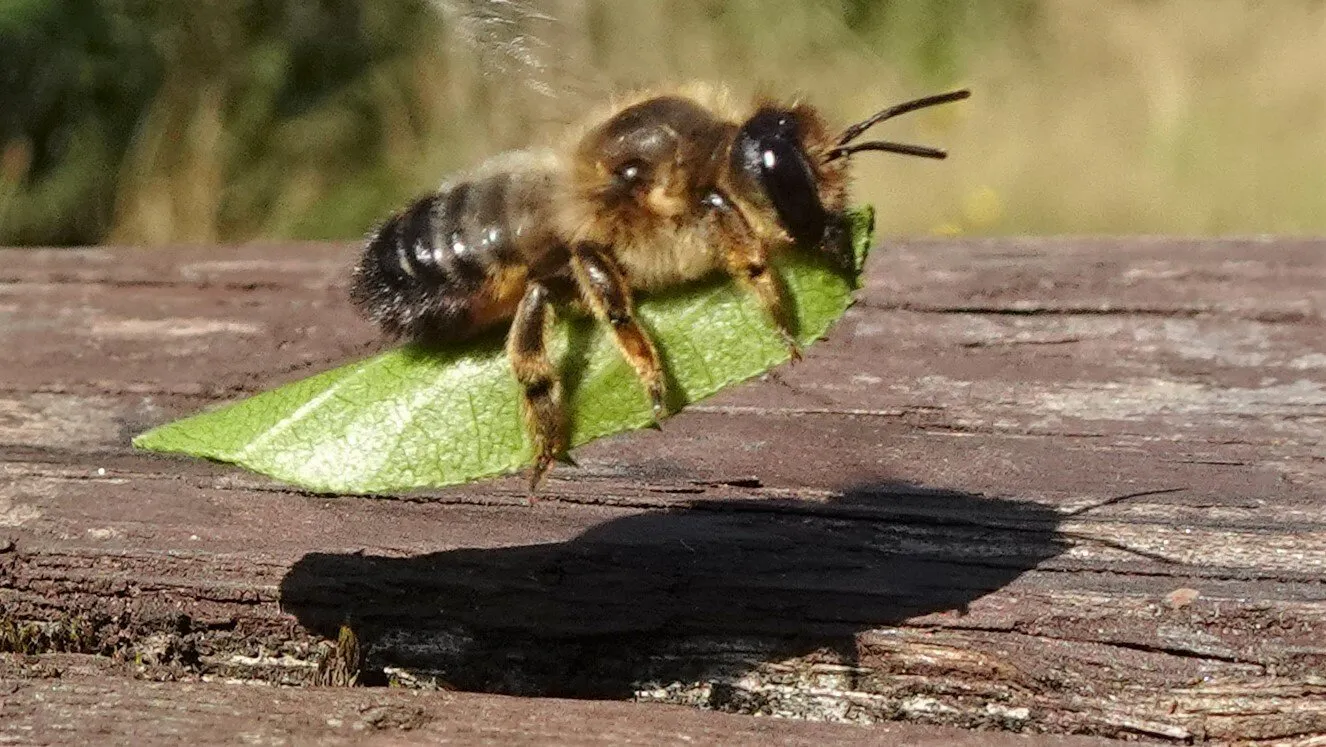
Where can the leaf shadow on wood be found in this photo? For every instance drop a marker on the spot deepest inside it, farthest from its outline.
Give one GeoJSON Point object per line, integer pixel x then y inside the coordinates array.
{"type": "Point", "coordinates": [704, 592]}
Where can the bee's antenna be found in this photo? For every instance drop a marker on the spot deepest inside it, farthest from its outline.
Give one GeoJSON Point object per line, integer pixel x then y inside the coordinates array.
{"type": "Point", "coordinates": [881, 145]}
{"type": "Point", "coordinates": [854, 132]}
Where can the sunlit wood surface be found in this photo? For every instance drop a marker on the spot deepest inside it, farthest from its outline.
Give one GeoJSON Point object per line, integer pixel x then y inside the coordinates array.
{"type": "Point", "coordinates": [1046, 486]}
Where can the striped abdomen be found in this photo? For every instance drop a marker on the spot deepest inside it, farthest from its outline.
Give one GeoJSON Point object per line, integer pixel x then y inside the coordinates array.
{"type": "Point", "coordinates": [456, 261]}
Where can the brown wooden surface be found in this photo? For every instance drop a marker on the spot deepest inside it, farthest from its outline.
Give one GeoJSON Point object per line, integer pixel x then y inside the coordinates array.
{"type": "Point", "coordinates": [81, 699]}
{"type": "Point", "coordinates": [1051, 486]}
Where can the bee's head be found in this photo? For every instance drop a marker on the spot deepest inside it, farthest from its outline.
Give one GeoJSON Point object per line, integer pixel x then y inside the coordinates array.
{"type": "Point", "coordinates": [786, 155]}
{"type": "Point", "coordinates": [769, 157]}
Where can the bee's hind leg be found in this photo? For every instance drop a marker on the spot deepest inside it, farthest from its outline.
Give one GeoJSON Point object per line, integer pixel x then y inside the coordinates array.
{"type": "Point", "coordinates": [605, 289]}
{"type": "Point", "coordinates": [541, 389]}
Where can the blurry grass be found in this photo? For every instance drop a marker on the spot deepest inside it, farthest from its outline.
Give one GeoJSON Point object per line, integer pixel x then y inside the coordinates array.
{"type": "Point", "coordinates": [156, 122]}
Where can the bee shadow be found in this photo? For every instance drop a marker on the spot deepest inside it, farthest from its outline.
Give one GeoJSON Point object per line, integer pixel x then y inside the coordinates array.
{"type": "Point", "coordinates": [702, 593]}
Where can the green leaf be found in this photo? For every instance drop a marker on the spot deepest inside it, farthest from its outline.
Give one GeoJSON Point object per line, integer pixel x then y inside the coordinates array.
{"type": "Point", "coordinates": [416, 417]}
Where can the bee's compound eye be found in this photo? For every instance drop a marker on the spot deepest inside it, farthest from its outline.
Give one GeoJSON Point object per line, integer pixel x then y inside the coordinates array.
{"type": "Point", "coordinates": [770, 153]}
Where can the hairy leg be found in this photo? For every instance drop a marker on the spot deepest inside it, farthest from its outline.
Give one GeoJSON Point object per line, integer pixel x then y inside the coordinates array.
{"type": "Point", "coordinates": [541, 390]}
{"type": "Point", "coordinates": [749, 264]}
{"type": "Point", "coordinates": [746, 258]}
{"type": "Point", "coordinates": [605, 289]}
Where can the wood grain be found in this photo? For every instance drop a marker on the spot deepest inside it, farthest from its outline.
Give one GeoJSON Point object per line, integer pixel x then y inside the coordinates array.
{"type": "Point", "coordinates": [1044, 486]}
{"type": "Point", "coordinates": [72, 699]}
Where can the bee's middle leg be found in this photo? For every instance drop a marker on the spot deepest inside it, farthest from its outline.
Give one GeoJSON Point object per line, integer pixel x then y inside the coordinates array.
{"type": "Point", "coordinates": [527, 349]}
{"type": "Point", "coordinates": [605, 289]}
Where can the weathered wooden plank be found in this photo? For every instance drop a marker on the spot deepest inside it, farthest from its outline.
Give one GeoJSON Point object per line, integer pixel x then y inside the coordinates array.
{"type": "Point", "coordinates": [67, 699]}
{"type": "Point", "coordinates": [1057, 486]}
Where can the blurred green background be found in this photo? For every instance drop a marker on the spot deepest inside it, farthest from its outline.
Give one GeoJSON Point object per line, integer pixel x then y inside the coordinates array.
{"type": "Point", "coordinates": [152, 122]}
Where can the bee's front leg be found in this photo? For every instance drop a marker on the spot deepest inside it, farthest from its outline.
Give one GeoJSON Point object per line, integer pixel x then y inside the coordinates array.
{"type": "Point", "coordinates": [541, 389]}
{"type": "Point", "coordinates": [749, 264]}
{"type": "Point", "coordinates": [605, 289]}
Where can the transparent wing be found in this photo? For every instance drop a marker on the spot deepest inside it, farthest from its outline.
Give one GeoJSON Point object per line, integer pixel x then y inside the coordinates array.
{"type": "Point", "coordinates": [538, 45]}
